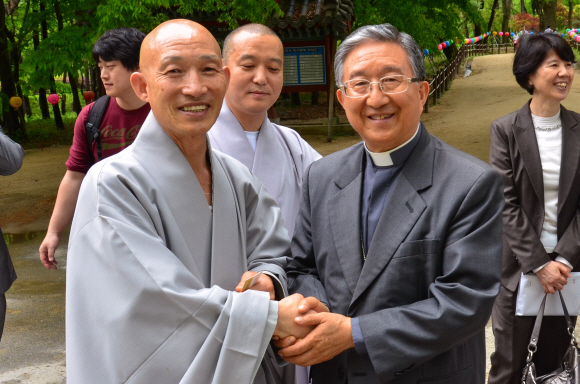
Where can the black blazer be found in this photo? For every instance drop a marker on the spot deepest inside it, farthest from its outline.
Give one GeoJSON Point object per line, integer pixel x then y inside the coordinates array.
{"type": "Point", "coordinates": [7, 274]}
{"type": "Point", "coordinates": [515, 155]}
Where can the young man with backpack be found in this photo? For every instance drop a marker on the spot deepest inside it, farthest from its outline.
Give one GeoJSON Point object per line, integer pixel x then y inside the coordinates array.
{"type": "Point", "coordinates": [102, 129]}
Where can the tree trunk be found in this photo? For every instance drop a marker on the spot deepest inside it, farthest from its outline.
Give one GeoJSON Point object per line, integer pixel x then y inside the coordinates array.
{"type": "Point", "coordinates": [73, 81]}
{"type": "Point", "coordinates": [10, 117]}
{"type": "Point", "coordinates": [295, 97]}
{"type": "Point", "coordinates": [27, 105]}
{"type": "Point", "coordinates": [42, 103]}
{"type": "Point", "coordinates": [549, 13]}
{"type": "Point", "coordinates": [314, 99]}
{"type": "Point", "coordinates": [507, 13]}
{"type": "Point", "coordinates": [570, 13]}
{"type": "Point", "coordinates": [492, 16]}
{"type": "Point", "coordinates": [523, 6]}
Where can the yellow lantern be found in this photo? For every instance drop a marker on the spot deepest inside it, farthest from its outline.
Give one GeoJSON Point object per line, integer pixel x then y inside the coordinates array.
{"type": "Point", "coordinates": [494, 33]}
{"type": "Point", "coordinates": [15, 102]}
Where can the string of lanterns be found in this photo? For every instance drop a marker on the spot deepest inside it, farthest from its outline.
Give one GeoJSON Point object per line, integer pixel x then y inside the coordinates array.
{"type": "Point", "coordinates": [472, 40]}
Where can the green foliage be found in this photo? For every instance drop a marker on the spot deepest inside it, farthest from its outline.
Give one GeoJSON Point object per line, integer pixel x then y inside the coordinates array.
{"type": "Point", "coordinates": [429, 22]}
{"type": "Point", "coordinates": [146, 14]}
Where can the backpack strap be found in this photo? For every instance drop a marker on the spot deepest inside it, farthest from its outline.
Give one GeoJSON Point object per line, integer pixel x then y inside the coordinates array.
{"type": "Point", "coordinates": [93, 126]}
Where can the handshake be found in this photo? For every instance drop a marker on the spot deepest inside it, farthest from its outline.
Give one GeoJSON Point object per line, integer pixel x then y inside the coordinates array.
{"type": "Point", "coordinates": [306, 332]}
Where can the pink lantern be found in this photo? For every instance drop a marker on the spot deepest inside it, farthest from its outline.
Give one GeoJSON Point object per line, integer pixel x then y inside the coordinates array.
{"type": "Point", "coordinates": [501, 33]}
{"type": "Point", "coordinates": [53, 98]}
{"type": "Point", "coordinates": [440, 47]}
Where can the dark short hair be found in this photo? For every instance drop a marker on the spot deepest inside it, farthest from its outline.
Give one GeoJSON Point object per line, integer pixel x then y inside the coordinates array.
{"type": "Point", "coordinates": [123, 44]}
{"type": "Point", "coordinates": [532, 52]}
{"type": "Point", "coordinates": [256, 29]}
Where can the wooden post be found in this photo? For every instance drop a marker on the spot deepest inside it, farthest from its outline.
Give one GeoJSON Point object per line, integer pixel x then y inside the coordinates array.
{"type": "Point", "coordinates": [435, 89]}
{"type": "Point", "coordinates": [331, 88]}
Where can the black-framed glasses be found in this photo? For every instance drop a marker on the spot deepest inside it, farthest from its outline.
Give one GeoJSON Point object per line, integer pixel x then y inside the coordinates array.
{"type": "Point", "coordinates": [388, 84]}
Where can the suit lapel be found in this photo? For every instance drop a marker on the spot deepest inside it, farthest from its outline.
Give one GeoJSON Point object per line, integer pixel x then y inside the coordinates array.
{"type": "Point", "coordinates": [528, 145]}
{"type": "Point", "coordinates": [344, 214]}
{"type": "Point", "coordinates": [570, 156]}
{"type": "Point", "coordinates": [402, 210]}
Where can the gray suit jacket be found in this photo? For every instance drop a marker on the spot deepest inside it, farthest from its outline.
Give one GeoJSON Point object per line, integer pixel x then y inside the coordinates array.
{"type": "Point", "coordinates": [425, 292]}
{"type": "Point", "coordinates": [515, 154]}
{"type": "Point", "coordinates": [11, 155]}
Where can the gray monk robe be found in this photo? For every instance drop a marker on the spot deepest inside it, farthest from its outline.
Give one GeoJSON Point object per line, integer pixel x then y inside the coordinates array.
{"type": "Point", "coordinates": [151, 270]}
{"type": "Point", "coordinates": [280, 160]}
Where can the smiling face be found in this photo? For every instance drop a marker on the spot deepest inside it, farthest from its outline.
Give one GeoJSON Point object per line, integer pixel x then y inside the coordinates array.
{"type": "Point", "coordinates": [182, 78]}
{"type": "Point", "coordinates": [553, 79]}
{"type": "Point", "coordinates": [256, 73]}
{"type": "Point", "coordinates": [383, 121]}
{"type": "Point", "coordinates": [116, 78]}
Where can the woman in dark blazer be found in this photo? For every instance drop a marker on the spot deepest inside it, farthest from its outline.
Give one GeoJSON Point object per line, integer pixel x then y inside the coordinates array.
{"type": "Point", "coordinates": [537, 152]}
{"type": "Point", "coordinates": [11, 155]}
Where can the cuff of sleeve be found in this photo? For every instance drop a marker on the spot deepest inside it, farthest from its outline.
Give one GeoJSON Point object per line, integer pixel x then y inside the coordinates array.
{"type": "Point", "coordinates": [536, 270]}
{"type": "Point", "coordinates": [357, 337]}
{"type": "Point", "coordinates": [279, 290]}
{"type": "Point", "coordinates": [562, 260]}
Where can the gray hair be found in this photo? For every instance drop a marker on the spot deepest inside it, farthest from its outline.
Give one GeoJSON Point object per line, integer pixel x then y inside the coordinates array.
{"type": "Point", "coordinates": [381, 33]}
{"type": "Point", "coordinates": [253, 28]}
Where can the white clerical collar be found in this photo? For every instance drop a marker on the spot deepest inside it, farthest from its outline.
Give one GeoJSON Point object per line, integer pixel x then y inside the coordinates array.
{"type": "Point", "coordinates": [384, 159]}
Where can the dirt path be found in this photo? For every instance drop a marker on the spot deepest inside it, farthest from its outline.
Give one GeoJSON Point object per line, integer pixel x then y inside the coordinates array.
{"type": "Point", "coordinates": [32, 350]}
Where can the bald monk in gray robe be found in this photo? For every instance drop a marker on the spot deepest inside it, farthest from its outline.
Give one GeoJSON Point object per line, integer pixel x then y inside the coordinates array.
{"type": "Point", "coordinates": [164, 235]}
{"type": "Point", "coordinates": [277, 155]}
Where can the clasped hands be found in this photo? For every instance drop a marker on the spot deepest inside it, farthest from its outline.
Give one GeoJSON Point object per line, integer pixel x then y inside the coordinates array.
{"type": "Point", "coordinates": [553, 276]}
{"type": "Point", "coordinates": [306, 332]}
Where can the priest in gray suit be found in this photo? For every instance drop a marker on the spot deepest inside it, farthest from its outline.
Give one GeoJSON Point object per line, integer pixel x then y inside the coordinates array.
{"type": "Point", "coordinates": [400, 235]}
{"type": "Point", "coordinates": [164, 234]}
{"type": "Point", "coordinates": [275, 154]}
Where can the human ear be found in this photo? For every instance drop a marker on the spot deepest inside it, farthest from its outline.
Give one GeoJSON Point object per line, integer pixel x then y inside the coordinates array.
{"type": "Point", "coordinates": [424, 92]}
{"type": "Point", "coordinates": [340, 96]}
{"type": "Point", "coordinates": [139, 86]}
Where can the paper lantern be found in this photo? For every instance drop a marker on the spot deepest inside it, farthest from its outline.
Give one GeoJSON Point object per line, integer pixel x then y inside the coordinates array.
{"type": "Point", "coordinates": [425, 52]}
{"type": "Point", "coordinates": [15, 102]}
{"type": "Point", "coordinates": [440, 46]}
{"type": "Point", "coordinates": [88, 95]}
{"type": "Point", "coordinates": [501, 33]}
{"type": "Point", "coordinates": [494, 33]}
{"type": "Point", "coordinates": [53, 98]}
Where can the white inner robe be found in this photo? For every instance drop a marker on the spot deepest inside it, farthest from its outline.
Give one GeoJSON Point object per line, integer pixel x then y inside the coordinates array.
{"type": "Point", "coordinates": [279, 161]}
{"type": "Point", "coordinates": [150, 273]}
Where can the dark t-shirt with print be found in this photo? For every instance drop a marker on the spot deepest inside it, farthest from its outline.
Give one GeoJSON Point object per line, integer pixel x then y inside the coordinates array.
{"type": "Point", "coordinates": [118, 130]}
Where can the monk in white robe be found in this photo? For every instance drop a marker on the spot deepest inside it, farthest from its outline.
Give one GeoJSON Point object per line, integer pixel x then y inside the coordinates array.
{"type": "Point", "coordinates": [277, 155]}
{"type": "Point", "coordinates": [162, 234]}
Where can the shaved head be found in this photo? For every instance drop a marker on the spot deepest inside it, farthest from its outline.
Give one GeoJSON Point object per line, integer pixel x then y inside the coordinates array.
{"type": "Point", "coordinates": [167, 31]}
{"type": "Point", "coordinates": [183, 78]}
{"type": "Point", "coordinates": [254, 29]}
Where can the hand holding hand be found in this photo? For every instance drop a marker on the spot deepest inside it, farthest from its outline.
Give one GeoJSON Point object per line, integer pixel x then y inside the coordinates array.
{"type": "Point", "coordinates": [553, 276]}
{"type": "Point", "coordinates": [332, 336]}
{"type": "Point", "coordinates": [287, 312]}
{"type": "Point", "coordinates": [47, 248]}
{"type": "Point", "coordinates": [264, 284]}
{"type": "Point", "coordinates": [308, 305]}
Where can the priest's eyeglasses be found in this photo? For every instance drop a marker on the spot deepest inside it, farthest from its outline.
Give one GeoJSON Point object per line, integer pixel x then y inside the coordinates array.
{"type": "Point", "coordinates": [388, 84]}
